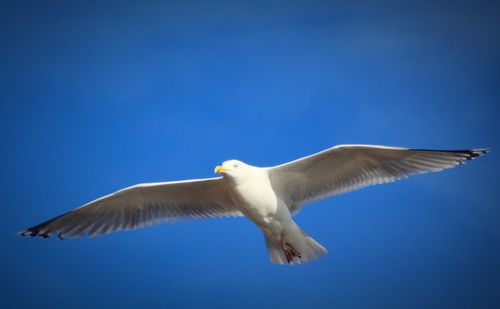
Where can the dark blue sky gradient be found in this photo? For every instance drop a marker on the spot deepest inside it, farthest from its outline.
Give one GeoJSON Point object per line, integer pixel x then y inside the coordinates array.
{"type": "Point", "coordinates": [97, 96]}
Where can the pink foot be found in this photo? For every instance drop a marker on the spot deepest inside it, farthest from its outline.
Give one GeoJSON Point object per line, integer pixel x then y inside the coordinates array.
{"type": "Point", "coordinates": [290, 252]}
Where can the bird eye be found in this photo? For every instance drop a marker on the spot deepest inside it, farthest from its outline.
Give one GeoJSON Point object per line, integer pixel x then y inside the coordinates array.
{"type": "Point", "coordinates": [235, 165]}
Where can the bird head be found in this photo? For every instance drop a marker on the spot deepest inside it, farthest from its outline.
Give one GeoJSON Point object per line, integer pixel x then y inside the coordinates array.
{"type": "Point", "coordinates": [231, 168]}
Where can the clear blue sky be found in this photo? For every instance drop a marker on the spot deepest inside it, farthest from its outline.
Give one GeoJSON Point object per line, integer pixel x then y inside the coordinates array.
{"type": "Point", "coordinates": [99, 95]}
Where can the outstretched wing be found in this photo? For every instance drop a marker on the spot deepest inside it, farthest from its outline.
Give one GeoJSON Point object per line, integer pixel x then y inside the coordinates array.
{"type": "Point", "coordinates": [142, 205]}
{"type": "Point", "coordinates": [345, 168]}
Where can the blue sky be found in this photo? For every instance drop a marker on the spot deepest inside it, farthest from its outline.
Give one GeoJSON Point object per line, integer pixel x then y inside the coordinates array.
{"type": "Point", "coordinates": [100, 95]}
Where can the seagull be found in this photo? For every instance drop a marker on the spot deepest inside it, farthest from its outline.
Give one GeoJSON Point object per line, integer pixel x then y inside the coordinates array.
{"type": "Point", "coordinates": [268, 196]}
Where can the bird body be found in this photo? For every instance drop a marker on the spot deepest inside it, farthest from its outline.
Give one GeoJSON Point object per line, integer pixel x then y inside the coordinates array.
{"type": "Point", "coordinates": [252, 193]}
{"type": "Point", "coordinates": [268, 196]}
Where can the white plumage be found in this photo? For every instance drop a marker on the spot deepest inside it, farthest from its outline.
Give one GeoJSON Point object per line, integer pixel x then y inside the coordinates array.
{"type": "Point", "coordinates": [267, 196]}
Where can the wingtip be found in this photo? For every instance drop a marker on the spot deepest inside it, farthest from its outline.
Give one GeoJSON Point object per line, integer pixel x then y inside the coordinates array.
{"type": "Point", "coordinates": [477, 152]}
{"type": "Point", "coordinates": [462, 156]}
{"type": "Point", "coordinates": [27, 232]}
{"type": "Point", "coordinates": [22, 233]}
{"type": "Point", "coordinates": [483, 150]}
{"type": "Point", "coordinates": [32, 233]}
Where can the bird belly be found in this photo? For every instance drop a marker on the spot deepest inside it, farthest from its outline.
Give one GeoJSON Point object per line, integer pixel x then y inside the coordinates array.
{"type": "Point", "coordinates": [260, 204]}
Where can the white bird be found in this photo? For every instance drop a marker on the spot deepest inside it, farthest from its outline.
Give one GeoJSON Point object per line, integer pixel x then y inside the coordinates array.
{"type": "Point", "coordinates": [268, 196]}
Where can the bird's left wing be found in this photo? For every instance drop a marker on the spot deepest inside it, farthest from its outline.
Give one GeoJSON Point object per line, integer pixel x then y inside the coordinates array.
{"type": "Point", "coordinates": [345, 168]}
{"type": "Point", "coordinates": [142, 205]}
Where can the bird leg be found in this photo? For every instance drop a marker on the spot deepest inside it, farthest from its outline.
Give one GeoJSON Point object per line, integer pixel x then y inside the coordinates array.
{"type": "Point", "coordinates": [290, 252]}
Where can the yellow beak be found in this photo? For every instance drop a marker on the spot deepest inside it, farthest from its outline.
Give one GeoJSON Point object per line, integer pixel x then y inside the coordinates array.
{"type": "Point", "coordinates": [220, 169]}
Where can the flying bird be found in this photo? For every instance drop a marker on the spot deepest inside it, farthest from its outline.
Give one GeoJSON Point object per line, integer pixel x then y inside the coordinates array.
{"type": "Point", "coordinates": [268, 196]}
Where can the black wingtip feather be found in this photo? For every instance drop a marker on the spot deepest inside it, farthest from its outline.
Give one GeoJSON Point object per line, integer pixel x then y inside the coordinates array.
{"type": "Point", "coordinates": [474, 153]}
{"type": "Point", "coordinates": [467, 154]}
{"type": "Point", "coordinates": [36, 230]}
{"type": "Point", "coordinates": [471, 154]}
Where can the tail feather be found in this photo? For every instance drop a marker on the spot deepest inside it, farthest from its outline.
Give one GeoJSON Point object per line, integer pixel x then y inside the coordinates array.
{"type": "Point", "coordinates": [276, 254]}
{"type": "Point", "coordinates": [295, 247]}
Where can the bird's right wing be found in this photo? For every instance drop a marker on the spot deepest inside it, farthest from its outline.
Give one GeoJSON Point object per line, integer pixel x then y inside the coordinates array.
{"type": "Point", "coordinates": [345, 168]}
{"type": "Point", "coordinates": [142, 205]}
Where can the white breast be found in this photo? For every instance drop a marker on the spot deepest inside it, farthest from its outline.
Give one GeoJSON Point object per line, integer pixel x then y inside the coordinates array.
{"type": "Point", "coordinates": [254, 196]}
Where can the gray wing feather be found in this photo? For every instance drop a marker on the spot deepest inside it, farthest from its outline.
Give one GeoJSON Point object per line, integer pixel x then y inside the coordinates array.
{"type": "Point", "coordinates": [142, 205]}
{"type": "Point", "coordinates": [345, 168]}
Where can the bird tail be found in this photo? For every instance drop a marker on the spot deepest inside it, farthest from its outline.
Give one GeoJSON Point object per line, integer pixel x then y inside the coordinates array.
{"type": "Point", "coordinates": [295, 247]}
